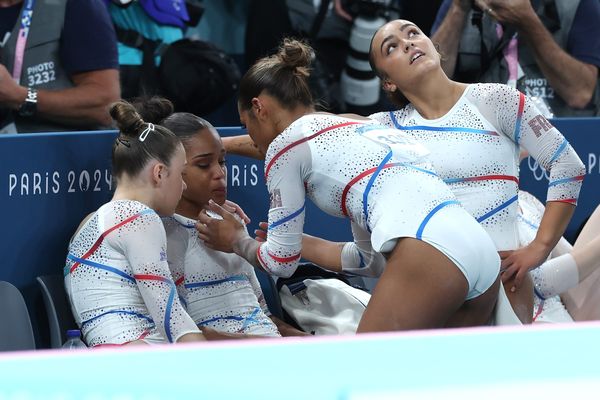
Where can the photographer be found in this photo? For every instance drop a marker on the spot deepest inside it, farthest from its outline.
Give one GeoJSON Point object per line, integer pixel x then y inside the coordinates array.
{"type": "Point", "coordinates": [545, 48]}
{"type": "Point", "coordinates": [58, 66]}
{"type": "Point", "coordinates": [339, 31]}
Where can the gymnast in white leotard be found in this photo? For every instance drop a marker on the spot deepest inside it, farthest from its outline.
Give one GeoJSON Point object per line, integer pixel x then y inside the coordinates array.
{"type": "Point", "coordinates": [475, 149]}
{"type": "Point", "coordinates": [378, 178]}
{"type": "Point", "coordinates": [116, 275]}
{"type": "Point", "coordinates": [219, 290]}
{"type": "Point", "coordinates": [474, 133]}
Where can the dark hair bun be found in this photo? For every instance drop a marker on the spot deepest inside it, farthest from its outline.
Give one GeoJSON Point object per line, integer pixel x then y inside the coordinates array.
{"type": "Point", "coordinates": [153, 109]}
{"type": "Point", "coordinates": [297, 55]}
{"type": "Point", "coordinates": [128, 120]}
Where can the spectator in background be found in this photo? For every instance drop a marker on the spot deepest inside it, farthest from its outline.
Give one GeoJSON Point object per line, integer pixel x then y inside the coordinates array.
{"type": "Point", "coordinates": [142, 31]}
{"type": "Point", "coordinates": [223, 23]}
{"type": "Point", "coordinates": [422, 13]}
{"type": "Point", "coordinates": [156, 58]}
{"type": "Point", "coordinates": [59, 68]}
{"type": "Point", "coordinates": [545, 48]}
{"type": "Point", "coordinates": [325, 24]}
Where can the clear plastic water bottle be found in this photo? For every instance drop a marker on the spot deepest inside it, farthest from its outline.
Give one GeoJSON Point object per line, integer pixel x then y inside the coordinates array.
{"type": "Point", "coordinates": [74, 340]}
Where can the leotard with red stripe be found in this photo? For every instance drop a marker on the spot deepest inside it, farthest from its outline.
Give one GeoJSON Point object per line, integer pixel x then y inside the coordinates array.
{"type": "Point", "coordinates": [378, 178]}
{"type": "Point", "coordinates": [475, 150]}
{"type": "Point", "coordinates": [118, 280]}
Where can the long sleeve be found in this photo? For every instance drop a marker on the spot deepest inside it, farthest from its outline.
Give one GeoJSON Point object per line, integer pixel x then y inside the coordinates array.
{"type": "Point", "coordinates": [521, 121]}
{"type": "Point", "coordinates": [280, 254]}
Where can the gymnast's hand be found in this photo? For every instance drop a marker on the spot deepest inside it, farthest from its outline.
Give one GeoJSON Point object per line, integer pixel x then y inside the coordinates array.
{"type": "Point", "coordinates": [518, 262]}
{"type": "Point", "coordinates": [260, 234]}
{"type": "Point", "coordinates": [236, 209]}
{"type": "Point", "coordinates": [220, 234]}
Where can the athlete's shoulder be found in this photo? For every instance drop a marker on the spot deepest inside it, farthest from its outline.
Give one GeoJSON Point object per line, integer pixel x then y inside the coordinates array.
{"type": "Point", "coordinates": [121, 210]}
{"type": "Point", "coordinates": [492, 92]}
{"type": "Point", "coordinates": [393, 118]}
{"type": "Point", "coordinates": [178, 227]}
{"type": "Point", "coordinates": [300, 131]}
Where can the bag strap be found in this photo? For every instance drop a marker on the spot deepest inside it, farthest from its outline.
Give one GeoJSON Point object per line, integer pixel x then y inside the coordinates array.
{"type": "Point", "coordinates": [508, 33]}
{"type": "Point", "coordinates": [319, 18]}
{"type": "Point", "coordinates": [195, 12]}
{"type": "Point", "coordinates": [150, 49]}
{"type": "Point", "coordinates": [485, 57]}
{"type": "Point", "coordinates": [136, 40]}
{"type": "Point", "coordinates": [133, 38]}
{"type": "Point", "coordinates": [308, 271]}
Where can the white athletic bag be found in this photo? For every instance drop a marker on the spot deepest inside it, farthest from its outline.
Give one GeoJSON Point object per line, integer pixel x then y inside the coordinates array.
{"type": "Point", "coordinates": [324, 306]}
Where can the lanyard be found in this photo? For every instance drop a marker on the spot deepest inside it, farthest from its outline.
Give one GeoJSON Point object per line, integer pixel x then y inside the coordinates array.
{"type": "Point", "coordinates": [511, 56]}
{"type": "Point", "coordinates": [26, 15]}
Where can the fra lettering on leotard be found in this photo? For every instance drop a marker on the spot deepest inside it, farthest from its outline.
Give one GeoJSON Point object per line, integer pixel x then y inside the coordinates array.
{"type": "Point", "coordinates": [539, 124]}
{"type": "Point", "coordinates": [276, 199]}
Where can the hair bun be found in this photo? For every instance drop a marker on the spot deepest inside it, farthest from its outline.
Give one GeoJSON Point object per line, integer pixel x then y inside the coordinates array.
{"type": "Point", "coordinates": [153, 109]}
{"type": "Point", "coordinates": [297, 55]}
{"type": "Point", "coordinates": [127, 118]}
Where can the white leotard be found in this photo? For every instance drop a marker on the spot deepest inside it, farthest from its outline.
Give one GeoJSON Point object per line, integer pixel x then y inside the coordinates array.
{"type": "Point", "coordinates": [475, 150]}
{"type": "Point", "coordinates": [118, 280]}
{"type": "Point", "coordinates": [377, 177]}
{"type": "Point", "coordinates": [219, 290]}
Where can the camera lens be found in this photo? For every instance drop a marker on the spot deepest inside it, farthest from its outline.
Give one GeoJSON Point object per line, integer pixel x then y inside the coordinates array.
{"type": "Point", "coordinates": [360, 86]}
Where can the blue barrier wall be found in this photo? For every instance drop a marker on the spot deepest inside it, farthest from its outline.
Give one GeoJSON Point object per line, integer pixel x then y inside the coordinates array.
{"type": "Point", "coordinates": [49, 182]}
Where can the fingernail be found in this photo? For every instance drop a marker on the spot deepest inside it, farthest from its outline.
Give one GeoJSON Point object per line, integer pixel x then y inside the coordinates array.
{"type": "Point", "coordinates": [513, 289]}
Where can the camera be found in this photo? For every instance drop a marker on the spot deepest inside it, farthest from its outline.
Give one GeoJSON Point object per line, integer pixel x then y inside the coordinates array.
{"type": "Point", "coordinates": [359, 85]}
{"type": "Point", "coordinates": [367, 8]}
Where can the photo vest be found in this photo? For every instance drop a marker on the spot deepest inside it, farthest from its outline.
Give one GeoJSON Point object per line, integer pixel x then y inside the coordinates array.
{"type": "Point", "coordinates": [557, 16]}
{"type": "Point", "coordinates": [42, 67]}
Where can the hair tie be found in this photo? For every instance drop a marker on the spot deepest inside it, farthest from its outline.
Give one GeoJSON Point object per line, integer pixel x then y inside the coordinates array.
{"type": "Point", "coordinates": [145, 132]}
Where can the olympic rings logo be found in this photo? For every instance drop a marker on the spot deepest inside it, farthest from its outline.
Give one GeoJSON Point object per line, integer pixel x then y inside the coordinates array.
{"type": "Point", "coordinates": [538, 171]}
